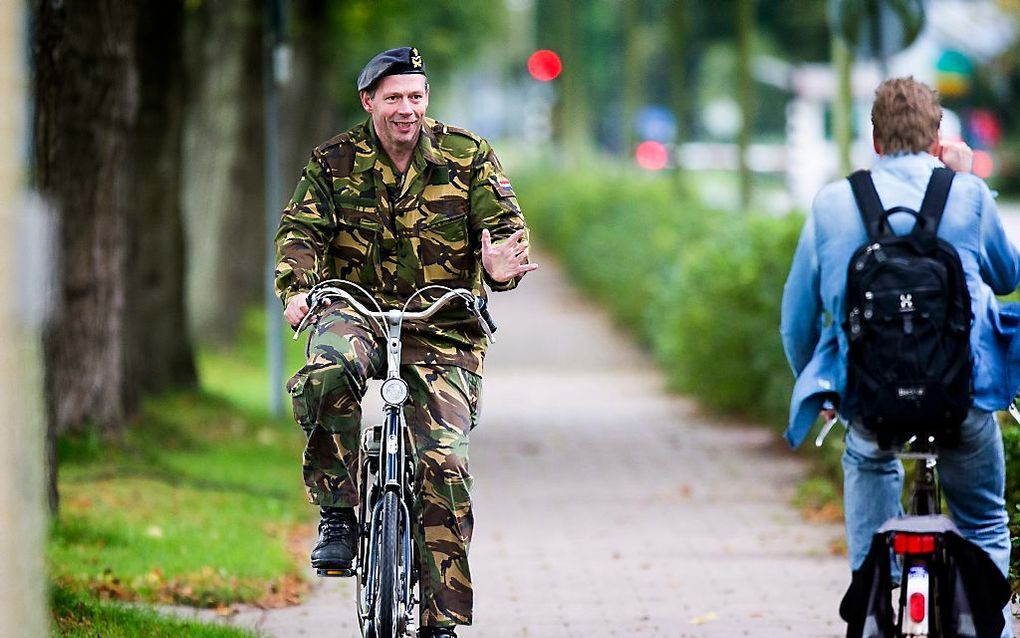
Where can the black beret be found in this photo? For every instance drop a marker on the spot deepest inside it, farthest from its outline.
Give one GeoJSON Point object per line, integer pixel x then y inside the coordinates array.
{"type": "Point", "coordinates": [401, 61]}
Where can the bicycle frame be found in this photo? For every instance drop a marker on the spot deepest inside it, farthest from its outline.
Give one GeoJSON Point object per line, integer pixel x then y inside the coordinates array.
{"type": "Point", "coordinates": [395, 474]}
{"type": "Point", "coordinates": [918, 539]}
{"type": "Point", "coordinates": [384, 463]}
{"type": "Point", "coordinates": [920, 605]}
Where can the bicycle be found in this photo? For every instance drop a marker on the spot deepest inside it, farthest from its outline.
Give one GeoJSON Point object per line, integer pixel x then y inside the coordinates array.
{"type": "Point", "coordinates": [931, 602]}
{"type": "Point", "coordinates": [918, 539]}
{"type": "Point", "coordinates": [387, 562]}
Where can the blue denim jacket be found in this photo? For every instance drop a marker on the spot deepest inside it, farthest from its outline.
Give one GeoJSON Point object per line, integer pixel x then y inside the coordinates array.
{"type": "Point", "coordinates": [814, 296]}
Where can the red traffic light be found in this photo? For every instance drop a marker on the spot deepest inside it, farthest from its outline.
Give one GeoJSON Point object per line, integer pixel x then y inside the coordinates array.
{"type": "Point", "coordinates": [544, 65]}
{"type": "Point", "coordinates": [651, 155]}
{"type": "Point", "coordinates": [984, 166]}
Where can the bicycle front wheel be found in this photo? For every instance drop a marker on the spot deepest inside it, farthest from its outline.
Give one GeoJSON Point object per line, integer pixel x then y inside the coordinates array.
{"type": "Point", "coordinates": [388, 620]}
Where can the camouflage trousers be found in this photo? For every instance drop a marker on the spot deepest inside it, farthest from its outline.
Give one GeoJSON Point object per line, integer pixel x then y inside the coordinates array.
{"type": "Point", "coordinates": [441, 411]}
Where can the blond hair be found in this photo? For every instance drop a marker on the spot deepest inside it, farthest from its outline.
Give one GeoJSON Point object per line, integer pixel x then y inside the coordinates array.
{"type": "Point", "coordinates": [906, 116]}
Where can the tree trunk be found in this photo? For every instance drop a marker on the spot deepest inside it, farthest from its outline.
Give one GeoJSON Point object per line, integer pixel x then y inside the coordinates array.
{"type": "Point", "coordinates": [679, 25]}
{"type": "Point", "coordinates": [160, 353]}
{"type": "Point", "coordinates": [86, 109]}
{"type": "Point", "coordinates": [842, 106]}
{"type": "Point", "coordinates": [632, 72]}
{"type": "Point", "coordinates": [107, 154]}
{"type": "Point", "coordinates": [309, 115]}
{"type": "Point", "coordinates": [745, 94]}
{"type": "Point", "coordinates": [222, 177]}
{"type": "Point", "coordinates": [573, 121]}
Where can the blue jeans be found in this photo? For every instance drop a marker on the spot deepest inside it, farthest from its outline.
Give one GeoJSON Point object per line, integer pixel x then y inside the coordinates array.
{"type": "Point", "coordinates": [972, 476]}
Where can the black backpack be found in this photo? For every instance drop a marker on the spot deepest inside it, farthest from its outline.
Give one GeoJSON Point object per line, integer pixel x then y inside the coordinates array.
{"type": "Point", "coordinates": [908, 321]}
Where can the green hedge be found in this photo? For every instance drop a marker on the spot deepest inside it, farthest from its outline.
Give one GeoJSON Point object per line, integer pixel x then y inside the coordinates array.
{"type": "Point", "coordinates": [699, 287]}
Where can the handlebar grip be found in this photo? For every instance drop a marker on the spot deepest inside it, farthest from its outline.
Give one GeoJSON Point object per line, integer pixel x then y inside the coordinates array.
{"type": "Point", "coordinates": [483, 310]}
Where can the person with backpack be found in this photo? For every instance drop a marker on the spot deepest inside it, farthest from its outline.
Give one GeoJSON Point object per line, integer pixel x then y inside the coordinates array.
{"type": "Point", "coordinates": [889, 315]}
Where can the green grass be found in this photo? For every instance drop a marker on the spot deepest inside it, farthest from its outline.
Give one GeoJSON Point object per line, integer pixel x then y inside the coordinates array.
{"type": "Point", "coordinates": [194, 504]}
{"type": "Point", "coordinates": [238, 374]}
{"type": "Point", "coordinates": [79, 616]}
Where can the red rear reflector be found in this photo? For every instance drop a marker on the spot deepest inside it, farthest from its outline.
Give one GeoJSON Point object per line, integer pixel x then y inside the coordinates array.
{"type": "Point", "coordinates": [918, 607]}
{"type": "Point", "coordinates": [913, 543]}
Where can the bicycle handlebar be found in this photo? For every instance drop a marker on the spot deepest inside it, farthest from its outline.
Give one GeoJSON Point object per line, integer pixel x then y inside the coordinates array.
{"type": "Point", "coordinates": [332, 288]}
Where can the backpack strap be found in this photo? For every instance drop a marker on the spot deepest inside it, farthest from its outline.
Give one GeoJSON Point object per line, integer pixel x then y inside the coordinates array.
{"type": "Point", "coordinates": [935, 197]}
{"type": "Point", "coordinates": [868, 202]}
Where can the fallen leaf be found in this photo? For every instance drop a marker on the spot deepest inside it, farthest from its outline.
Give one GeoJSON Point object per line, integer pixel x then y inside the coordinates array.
{"type": "Point", "coordinates": [707, 618]}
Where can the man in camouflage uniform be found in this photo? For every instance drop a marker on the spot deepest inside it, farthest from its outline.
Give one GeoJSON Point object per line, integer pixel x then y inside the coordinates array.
{"type": "Point", "coordinates": [397, 203]}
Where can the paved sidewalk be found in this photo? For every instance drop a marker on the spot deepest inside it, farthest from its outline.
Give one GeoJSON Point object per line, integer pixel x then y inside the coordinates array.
{"type": "Point", "coordinates": [607, 507]}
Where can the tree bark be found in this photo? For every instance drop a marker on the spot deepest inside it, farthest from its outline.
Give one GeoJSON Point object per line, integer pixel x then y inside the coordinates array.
{"type": "Point", "coordinates": [160, 352]}
{"type": "Point", "coordinates": [222, 178]}
{"type": "Point", "coordinates": [86, 111]}
{"type": "Point", "coordinates": [309, 115]}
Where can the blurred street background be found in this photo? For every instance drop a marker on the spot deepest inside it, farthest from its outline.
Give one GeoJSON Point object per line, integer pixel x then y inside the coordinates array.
{"type": "Point", "coordinates": [664, 153]}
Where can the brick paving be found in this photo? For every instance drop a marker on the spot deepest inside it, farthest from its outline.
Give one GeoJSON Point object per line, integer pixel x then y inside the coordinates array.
{"type": "Point", "coordinates": [608, 507]}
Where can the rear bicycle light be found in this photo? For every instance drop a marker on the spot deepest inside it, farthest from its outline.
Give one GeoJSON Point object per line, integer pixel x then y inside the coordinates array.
{"type": "Point", "coordinates": [904, 543]}
{"type": "Point", "coordinates": [918, 607]}
{"type": "Point", "coordinates": [915, 614]}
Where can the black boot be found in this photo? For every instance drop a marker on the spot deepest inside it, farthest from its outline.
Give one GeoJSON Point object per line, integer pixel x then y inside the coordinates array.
{"type": "Point", "coordinates": [437, 632]}
{"type": "Point", "coordinates": [338, 536]}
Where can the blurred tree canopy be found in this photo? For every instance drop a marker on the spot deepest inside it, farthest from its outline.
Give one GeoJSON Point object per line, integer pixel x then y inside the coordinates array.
{"type": "Point", "coordinates": [799, 30]}
{"type": "Point", "coordinates": [669, 42]}
{"type": "Point", "coordinates": [447, 32]}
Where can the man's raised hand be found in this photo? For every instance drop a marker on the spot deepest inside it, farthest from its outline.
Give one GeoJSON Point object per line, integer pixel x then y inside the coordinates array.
{"type": "Point", "coordinates": [507, 259]}
{"type": "Point", "coordinates": [957, 156]}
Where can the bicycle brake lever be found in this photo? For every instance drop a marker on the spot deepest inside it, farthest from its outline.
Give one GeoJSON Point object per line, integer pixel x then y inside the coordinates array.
{"type": "Point", "coordinates": [820, 439]}
{"type": "Point", "coordinates": [481, 313]}
{"type": "Point", "coordinates": [1014, 411]}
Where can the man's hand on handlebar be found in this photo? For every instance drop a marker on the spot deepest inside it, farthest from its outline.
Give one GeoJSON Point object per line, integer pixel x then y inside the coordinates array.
{"type": "Point", "coordinates": [297, 308]}
{"type": "Point", "coordinates": [828, 411]}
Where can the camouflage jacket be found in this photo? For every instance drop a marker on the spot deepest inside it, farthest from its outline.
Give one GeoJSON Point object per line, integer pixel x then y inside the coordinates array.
{"type": "Point", "coordinates": [353, 217]}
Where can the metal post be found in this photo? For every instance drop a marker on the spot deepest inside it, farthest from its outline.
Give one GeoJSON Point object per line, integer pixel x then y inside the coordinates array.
{"type": "Point", "coordinates": [273, 58]}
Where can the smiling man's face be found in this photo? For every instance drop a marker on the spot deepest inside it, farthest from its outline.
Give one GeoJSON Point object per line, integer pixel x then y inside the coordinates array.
{"type": "Point", "coordinates": [397, 108]}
